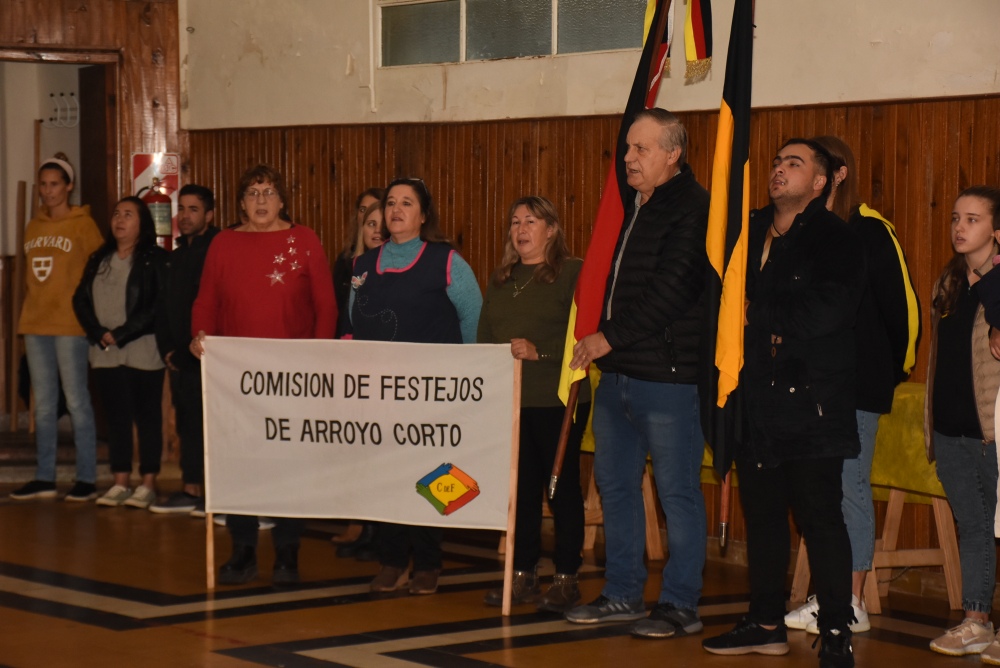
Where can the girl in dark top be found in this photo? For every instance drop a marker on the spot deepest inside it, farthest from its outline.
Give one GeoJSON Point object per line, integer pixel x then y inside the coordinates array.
{"type": "Point", "coordinates": [116, 304]}
{"type": "Point", "coordinates": [354, 247]}
{"type": "Point", "coordinates": [962, 383]}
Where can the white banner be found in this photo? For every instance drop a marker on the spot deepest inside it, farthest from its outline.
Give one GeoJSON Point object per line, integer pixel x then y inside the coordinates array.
{"type": "Point", "coordinates": [398, 432]}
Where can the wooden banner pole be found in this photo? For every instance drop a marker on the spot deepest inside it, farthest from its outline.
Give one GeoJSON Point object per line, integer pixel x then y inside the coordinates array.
{"type": "Point", "coordinates": [515, 446]}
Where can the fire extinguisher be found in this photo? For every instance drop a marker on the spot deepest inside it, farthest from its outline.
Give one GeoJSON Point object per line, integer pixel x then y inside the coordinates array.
{"type": "Point", "coordinates": [160, 206]}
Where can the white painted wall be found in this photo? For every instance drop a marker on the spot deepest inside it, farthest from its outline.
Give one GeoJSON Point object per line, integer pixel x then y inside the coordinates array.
{"type": "Point", "coordinates": [248, 63]}
{"type": "Point", "coordinates": [25, 96]}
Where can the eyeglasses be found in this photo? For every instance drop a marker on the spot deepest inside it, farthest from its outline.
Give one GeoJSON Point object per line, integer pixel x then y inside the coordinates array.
{"type": "Point", "coordinates": [253, 193]}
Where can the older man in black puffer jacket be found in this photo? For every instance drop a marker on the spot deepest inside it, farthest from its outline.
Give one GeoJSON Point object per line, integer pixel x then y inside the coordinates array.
{"type": "Point", "coordinates": [647, 348]}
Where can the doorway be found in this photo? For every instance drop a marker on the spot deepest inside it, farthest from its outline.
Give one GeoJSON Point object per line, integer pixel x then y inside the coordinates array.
{"type": "Point", "coordinates": [50, 102]}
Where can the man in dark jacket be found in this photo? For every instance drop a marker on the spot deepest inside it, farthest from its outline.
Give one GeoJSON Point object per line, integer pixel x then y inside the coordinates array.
{"type": "Point", "coordinates": [805, 277]}
{"type": "Point", "coordinates": [647, 402]}
{"type": "Point", "coordinates": [195, 214]}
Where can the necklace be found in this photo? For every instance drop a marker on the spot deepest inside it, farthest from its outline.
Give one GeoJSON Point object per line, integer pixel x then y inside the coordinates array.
{"type": "Point", "coordinates": [776, 232]}
{"type": "Point", "coordinates": [519, 290]}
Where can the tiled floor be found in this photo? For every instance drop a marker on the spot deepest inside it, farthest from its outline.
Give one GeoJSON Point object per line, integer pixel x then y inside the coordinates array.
{"type": "Point", "coordinates": [82, 586]}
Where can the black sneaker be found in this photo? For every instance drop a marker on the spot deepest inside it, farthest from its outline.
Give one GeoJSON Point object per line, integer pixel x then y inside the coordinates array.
{"type": "Point", "coordinates": [603, 609]}
{"type": "Point", "coordinates": [749, 637]}
{"type": "Point", "coordinates": [82, 491]}
{"type": "Point", "coordinates": [241, 567]}
{"type": "Point", "coordinates": [36, 489]}
{"type": "Point", "coordinates": [836, 650]}
{"type": "Point", "coordinates": [181, 502]}
{"type": "Point", "coordinates": [666, 620]}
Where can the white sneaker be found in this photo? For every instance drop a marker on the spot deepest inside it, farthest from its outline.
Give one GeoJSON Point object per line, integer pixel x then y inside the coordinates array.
{"type": "Point", "coordinates": [860, 624]}
{"type": "Point", "coordinates": [115, 496]}
{"type": "Point", "coordinates": [991, 655]}
{"type": "Point", "coordinates": [800, 617]}
{"type": "Point", "coordinates": [969, 637]}
{"type": "Point", "coordinates": [142, 497]}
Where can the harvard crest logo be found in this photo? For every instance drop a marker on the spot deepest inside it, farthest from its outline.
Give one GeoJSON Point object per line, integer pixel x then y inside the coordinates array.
{"type": "Point", "coordinates": [41, 267]}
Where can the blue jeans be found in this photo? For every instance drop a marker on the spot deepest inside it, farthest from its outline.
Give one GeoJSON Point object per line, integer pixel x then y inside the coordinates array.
{"type": "Point", "coordinates": [632, 419]}
{"type": "Point", "coordinates": [967, 470]}
{"type": "Point", "coordinates": [51, 358]}
{"type": "Point", "coordinates": [859, 510]}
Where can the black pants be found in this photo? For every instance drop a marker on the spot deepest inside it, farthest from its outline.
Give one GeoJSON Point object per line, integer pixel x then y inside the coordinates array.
{"type": "Point", "coordinates": [396, 541]}
{"type": "Point", "coordinates": [132, 396]}
{"type": "Point", "coordinates": [185, 390]}
{"type": "Point", "coordinates": [539, 437]}
{"type": "Point", "coordinates": [243, 530]}
{"type": "Point", "coordinates": [812, 488]}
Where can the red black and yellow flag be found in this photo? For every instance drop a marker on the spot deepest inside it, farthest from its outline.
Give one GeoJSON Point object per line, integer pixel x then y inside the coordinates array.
{"type": "Point", "coordinates": [698, 39]}
{"type": "Point", "coordinates": [728, 218]}
{"type": "Point", "coordinates": [585, 312]}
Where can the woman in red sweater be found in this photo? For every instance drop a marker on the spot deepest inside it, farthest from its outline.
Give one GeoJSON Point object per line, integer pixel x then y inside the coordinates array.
{"type": "Point", "coordinates": [266, 278]}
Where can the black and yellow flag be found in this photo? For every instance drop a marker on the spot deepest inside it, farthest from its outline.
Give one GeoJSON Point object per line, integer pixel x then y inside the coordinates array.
{"type": "Point", "coordinates": [728, 219]}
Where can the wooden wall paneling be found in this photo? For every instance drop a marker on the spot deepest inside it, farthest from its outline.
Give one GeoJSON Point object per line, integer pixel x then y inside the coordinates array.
{"type": "Point", "coordinates": [969, 172]}
{"type": "Point", "coordinates": [871, 163]}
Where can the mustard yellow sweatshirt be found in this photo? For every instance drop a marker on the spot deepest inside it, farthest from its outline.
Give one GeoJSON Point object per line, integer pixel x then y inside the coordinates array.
{"type": "Point", "coordinates": [56, 251]}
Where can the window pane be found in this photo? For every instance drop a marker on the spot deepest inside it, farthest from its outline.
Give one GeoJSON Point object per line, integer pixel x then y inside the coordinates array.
{"type": "Point", "coordinates": [507, 28]}
{"type": "Point", "coordinates": [424, 33]}
{"type": "Point", "coordinates": [596, 25]}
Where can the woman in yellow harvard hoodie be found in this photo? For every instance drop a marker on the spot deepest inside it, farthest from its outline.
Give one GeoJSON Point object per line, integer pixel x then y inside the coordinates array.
{"type": "Point", "coordinates": [57, 243]}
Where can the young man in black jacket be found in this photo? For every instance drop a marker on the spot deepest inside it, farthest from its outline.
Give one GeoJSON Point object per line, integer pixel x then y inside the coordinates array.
{"type": "Point", "coordinates": [196, 212]}
{"type": "Point", "coordinates": [805, 277]}
{"type": "Point", "coordinates": [647, 348]}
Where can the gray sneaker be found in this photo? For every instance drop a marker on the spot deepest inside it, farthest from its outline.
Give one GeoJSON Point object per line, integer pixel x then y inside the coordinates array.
{"type": "Point", "coordinates": [115, 496]}
{"type": "Point", "coordinates": [603, 609]}
{"type": "Point", "coordinates": [667, 621]}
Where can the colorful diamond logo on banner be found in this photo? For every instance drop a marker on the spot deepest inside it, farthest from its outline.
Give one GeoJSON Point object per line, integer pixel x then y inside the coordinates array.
{"type": "Point", "coordinates": [447, 488]}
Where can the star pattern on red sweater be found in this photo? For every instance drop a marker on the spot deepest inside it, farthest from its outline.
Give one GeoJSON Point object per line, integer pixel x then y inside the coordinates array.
{"type": "Point", "coordinates": [279, 258]}
{"type": "Point", "coordinates": [276, 277]}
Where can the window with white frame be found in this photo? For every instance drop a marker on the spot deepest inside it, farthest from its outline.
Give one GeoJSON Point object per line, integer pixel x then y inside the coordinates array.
{"type": "Point", "coordinates": [451, 31]}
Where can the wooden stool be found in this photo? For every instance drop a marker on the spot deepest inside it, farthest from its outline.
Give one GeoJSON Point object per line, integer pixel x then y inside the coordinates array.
{"type": "Point", "coordinates": [888, 557]}
{"type": "Point", "coordinates": [593, 517]}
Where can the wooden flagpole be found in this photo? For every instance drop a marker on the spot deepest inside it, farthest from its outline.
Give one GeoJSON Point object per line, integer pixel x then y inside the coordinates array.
{"type": "Point", "coordinates": [209, 518]}
{"type": "Point", "coordinates": [515, 446]}
{"type": "Point", "coordinates": [567, 425]}
{"type": "Point", "coordinates": [17, 296]}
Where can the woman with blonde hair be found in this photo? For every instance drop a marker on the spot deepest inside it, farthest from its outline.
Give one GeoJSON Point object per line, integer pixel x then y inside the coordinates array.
{"type": "Point", "coordinates": [527, 304]}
